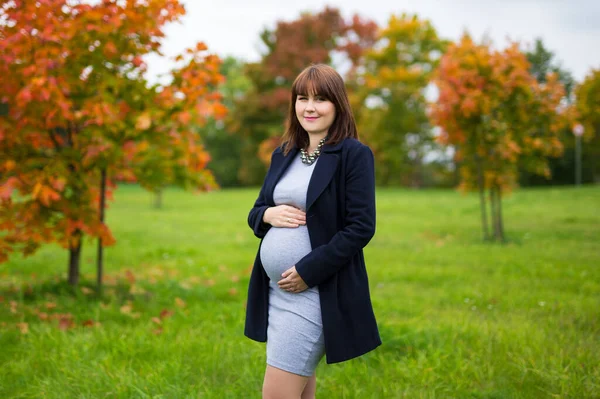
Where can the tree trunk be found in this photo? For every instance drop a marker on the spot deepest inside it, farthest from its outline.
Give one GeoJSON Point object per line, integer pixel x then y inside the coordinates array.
{"type": "Point", "coordinates": [482, 202]}
{"type": "Point", "coordinates": [100, 257]}
{"type": "Point", "coordinates": [74, 256]}
{"type": "Point", "coordinates": [500, 222]}
{"type": "Point", "coordinates": [494, 207]}
{"type": "Point", "coordinates": [158, 198]}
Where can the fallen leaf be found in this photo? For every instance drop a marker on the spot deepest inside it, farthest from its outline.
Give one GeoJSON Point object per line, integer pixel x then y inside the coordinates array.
{"type": "Point", "coordinates": [65, 323]}
{"type": "Point", "coordinates": [235, 278]}
{"type": "Point", "coordinates": [180, 302]}
{"type": "Point", "coordinates": [156, 320]}
{"type": "Point", "coordinates": [88, 323]}
{"type": "Point", "coordinates": [136, 290]}
{"type": "Point", "coordinates": [194, 280]}
{"type": "Point", "coordinates": [129, 276]}
{"type": "Point", "coordinates": [87, 291]}
{"type": "Point", "coordinates": [233, 291]}
{"type": "Point", "coordinates": [166, 313]}
{"type": "Point", "coordinates": [157, 331]}
{"type": "Point", "coordinates": [126, 309]}
{"type": "Point", "coordinates": [42, 315]}
{"type": "Point", "coordinates": [50, 305]}
{"type": "Point", "coordinates": [23, 327]}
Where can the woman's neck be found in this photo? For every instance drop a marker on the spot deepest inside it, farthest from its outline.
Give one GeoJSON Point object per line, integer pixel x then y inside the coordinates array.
{"type": "Point", "coordinates": [314, 139]}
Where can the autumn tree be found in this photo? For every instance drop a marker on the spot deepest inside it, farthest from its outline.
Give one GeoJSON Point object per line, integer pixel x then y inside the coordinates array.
{"type": "Point", "coordinates": [587, 105]}
{"type": "Point", "coordinates": [494, 113]}
{"type": "Point", "coordinates": [543, 62]}
{"type": "Point", "coordinates": [80, 112]}
{"type": "Point", "coordinates": [258, 118]}
{"type": "Point", "coordinates": [224, 145]}
{"type": "Point", "coordinates": [390, 102]}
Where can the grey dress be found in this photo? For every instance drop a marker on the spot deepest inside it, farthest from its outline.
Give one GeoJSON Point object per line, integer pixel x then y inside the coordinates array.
{"type": "Point", "coordinates": [295, 331]}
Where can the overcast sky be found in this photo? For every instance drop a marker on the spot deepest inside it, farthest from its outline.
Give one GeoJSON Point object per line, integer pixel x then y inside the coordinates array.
{"type": "Point", "coordinates": [571, 29]}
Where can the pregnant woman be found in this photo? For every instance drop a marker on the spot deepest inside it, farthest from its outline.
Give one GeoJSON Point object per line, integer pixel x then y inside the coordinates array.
{"type": "Point", "coordinates": [309, 293]}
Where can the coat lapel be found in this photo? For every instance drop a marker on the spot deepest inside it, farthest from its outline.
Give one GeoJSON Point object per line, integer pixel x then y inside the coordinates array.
{"type": "Point", "coordinates": [323, 173]}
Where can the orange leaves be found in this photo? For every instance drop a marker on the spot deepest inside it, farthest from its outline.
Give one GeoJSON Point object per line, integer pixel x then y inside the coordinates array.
{"type": "Point", "coordinates": [7, 188]}
{"type": "Point", "coordinates": [44, 194]}
{"type": "Point", "coordinates": [492, 106]}
{"type": "Point", "coordinates": [80, 103]}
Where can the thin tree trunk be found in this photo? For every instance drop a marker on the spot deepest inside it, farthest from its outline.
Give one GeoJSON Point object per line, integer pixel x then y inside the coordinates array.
{"type": "Point", "coordinates": [158, 198]}
{"type": "Point", "coordinates": [482, 202]}
{"type": "Point", "coordinates": [494, 208]}
{"type": "Point", "coordinates": [74, 256]}
{"type": "Point", "coordinates": [100, 257]}
{"type": "Point", "coordinates": [500, 222]}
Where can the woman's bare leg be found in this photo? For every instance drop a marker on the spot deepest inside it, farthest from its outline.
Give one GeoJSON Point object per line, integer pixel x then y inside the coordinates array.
{"type": "Point", "coordinates": [279, 384]}
{"type": "Point", "coordinates": [311, 388]}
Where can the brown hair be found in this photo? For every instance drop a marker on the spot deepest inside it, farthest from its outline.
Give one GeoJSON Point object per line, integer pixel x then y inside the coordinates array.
{"type": "Point", "coordinates": [322, 80]}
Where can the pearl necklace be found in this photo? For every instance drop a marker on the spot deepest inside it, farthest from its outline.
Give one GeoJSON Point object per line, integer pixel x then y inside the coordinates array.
{"type": "Point", "coordinates": [309, 159]}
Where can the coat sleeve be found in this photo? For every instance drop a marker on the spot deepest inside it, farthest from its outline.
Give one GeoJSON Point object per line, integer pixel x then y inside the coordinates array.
{"type": "Point", "coordinates": [255, 217]}
{"type": "Point", "coordinates": [324, 261]}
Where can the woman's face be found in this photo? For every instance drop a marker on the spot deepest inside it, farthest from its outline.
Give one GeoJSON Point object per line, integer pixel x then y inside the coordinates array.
{"type": "Point", "coordinates": [315, 113]}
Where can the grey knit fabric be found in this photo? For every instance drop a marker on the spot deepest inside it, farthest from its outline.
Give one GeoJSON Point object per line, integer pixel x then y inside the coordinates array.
{"type": "Point", "coordinates": [295, 331]}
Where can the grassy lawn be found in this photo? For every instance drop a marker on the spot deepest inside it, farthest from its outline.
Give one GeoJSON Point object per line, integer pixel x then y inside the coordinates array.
{"type": "Point", "coordinates": [458, 318]}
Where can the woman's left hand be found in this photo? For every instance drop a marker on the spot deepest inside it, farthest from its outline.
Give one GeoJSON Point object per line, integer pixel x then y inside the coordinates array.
{"type": "Point", "coordinates": [291, 281]}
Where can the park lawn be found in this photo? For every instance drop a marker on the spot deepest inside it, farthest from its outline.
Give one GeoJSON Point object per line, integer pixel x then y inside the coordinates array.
{"type": "Point", "coordinates": [459, 318]}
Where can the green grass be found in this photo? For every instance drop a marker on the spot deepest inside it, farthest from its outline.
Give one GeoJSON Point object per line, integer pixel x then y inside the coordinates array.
{"type": "Point", "coordinates": [459, 318]}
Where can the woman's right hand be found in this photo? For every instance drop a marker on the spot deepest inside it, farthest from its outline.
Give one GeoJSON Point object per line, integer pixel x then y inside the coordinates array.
{"type": "Point", "coordinates": [284, 216]}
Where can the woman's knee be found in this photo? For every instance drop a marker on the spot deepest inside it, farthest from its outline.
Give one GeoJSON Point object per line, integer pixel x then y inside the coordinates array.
{"type": "Point", "coordinates": [280, 384]}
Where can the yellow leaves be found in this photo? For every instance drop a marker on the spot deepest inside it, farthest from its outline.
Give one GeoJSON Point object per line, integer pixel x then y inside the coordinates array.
{"type": "Point", "coordinates": [143, 121]}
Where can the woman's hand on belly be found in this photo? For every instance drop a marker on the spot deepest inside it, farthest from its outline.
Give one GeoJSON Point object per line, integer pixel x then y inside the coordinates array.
{"type": "Point", "coordinates": [284, 216]}
{"type": "Point", "coordinates": [291, 281]}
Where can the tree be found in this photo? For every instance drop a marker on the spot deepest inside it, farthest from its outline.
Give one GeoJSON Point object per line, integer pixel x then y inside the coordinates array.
{"type": "Point", "coordinates": [587, 105]}
{"type": "Point", "coordinates": [543, 62]}
{"type": "Point", "coordinates": [494, 112]}
{"type": "Point", "coordinates": [391, 102]}
{"type": "Point", "coordinates": [258, 118]}
{"type": "Point", "coordinates": [79, 108]}
{"type": "Point", "coordinates": [223, 145]}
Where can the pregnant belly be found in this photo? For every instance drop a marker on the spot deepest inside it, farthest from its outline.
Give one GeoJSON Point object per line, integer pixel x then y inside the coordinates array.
{"type": "Point", "coordinates": [282, 248]}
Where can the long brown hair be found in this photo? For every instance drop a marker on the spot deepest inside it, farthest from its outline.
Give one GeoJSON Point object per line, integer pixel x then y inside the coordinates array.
{"type": "Point", "coordinates": [324, 81]}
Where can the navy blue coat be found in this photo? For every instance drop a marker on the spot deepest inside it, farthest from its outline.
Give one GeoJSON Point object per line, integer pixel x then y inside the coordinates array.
{"type": "Point", "coordinates": [340, 217]}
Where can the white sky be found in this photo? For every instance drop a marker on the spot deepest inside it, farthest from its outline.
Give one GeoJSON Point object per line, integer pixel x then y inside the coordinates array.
{"type": "Point", "coordinates": [571, 29]}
